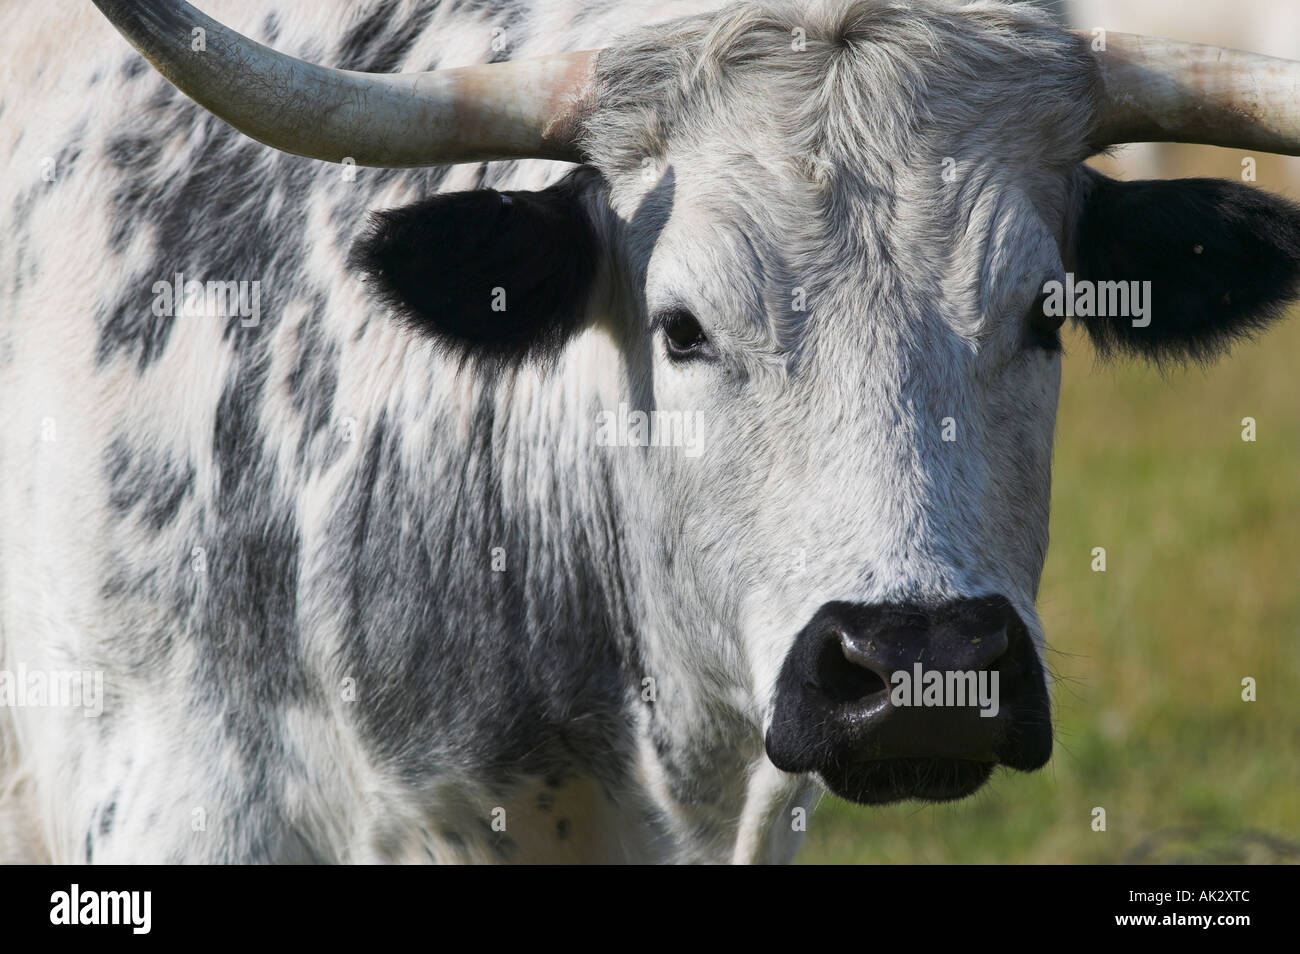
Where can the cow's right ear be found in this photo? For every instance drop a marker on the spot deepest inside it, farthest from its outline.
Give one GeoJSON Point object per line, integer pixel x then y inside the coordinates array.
{"type": "Point", "coordinates": [498, 276]}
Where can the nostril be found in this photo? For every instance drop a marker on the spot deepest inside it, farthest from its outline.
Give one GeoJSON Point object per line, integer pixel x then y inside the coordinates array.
{"type": "Point", "coordinates": [989, 650]}
{"type": "Point", "coordinates": [839, 676]}
{"type": "Point", "coordinates": [860, 653]}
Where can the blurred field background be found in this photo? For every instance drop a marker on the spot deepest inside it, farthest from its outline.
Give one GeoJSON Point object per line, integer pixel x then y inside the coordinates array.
{"type": "Point", "coordinates": [1202, 588]}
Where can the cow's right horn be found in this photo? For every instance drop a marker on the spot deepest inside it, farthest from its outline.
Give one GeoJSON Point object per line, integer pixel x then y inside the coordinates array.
{"type": "Point", "coordinates": [1156, 90]}
{"type": "Point", "coordinates": [513, 110]}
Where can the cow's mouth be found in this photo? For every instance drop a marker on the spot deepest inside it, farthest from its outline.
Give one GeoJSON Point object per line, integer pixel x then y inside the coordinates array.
{"type": "Point", "coordinates": [881, 781]}
{"type": "Point", "coordinates": [836, 714]}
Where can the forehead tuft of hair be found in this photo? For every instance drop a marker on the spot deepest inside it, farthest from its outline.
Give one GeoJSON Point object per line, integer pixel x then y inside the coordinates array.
{"type": "Point", "coordinates": [845, 82]}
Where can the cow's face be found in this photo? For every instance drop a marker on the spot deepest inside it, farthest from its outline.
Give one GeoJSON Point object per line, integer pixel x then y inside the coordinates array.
{"type": "Point", "coordinates": [846, 297]}
{"type": "Point", "coordinates": [823, 256]}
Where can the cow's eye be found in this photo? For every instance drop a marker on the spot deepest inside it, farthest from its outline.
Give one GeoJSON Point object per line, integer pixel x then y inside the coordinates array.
{"type": "Point", "coordinates": [684, 339]}
{"type": "Point", "coordinates": [1044, 329]}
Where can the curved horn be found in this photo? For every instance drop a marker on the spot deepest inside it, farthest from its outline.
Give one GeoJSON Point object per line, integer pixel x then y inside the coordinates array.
{"type": "Point", "coordinates": [514, 110]}
{"type": "Point", "coordinates": [1156, 90]}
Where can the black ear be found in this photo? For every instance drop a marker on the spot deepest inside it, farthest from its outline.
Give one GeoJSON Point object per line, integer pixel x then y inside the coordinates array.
{"type": "Point", "coordinates": [1223, 260]}
{"type": "Point", "coordinates": [502, 276]}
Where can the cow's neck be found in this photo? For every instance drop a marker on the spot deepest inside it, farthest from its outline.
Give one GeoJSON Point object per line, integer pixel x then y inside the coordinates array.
{"type": "Point", "coordinates": [512, 556]}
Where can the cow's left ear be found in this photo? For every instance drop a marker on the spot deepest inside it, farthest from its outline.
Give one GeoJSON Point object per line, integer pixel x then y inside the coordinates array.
{"type": "Point", "coordinates": [1223, 260]}
{"type": "Point", "coordinates": [497, 276]}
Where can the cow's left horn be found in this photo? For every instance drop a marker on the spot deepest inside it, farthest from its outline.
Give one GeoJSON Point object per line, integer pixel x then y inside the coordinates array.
{"type": "Point", "coordinates": [514, 110]}
{"type": "Point", "coordinates": [1156, 90]}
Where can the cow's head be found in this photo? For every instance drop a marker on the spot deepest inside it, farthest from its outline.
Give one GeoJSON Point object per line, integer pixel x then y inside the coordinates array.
{"type": "Point", "coordinates": [834, 237]}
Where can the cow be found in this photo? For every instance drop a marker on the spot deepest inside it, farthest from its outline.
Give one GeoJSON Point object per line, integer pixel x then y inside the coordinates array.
{"type": "Point", "coordinates": [485, 431]}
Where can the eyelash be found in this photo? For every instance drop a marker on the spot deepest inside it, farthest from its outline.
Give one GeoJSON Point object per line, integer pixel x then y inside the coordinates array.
{"type": "Point", "coordinates": [684, 338]}
{"type": "Point", "coordinates": [1043, 331]}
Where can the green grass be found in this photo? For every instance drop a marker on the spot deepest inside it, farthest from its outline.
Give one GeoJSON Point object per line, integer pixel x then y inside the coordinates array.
{"type": "Point", "coordinates": [1202, 538]}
